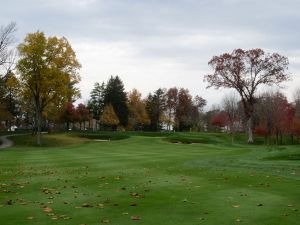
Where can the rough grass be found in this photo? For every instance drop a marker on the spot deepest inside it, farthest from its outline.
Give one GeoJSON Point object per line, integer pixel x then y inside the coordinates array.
{"type": "Point", "coordinates": [146, 179]}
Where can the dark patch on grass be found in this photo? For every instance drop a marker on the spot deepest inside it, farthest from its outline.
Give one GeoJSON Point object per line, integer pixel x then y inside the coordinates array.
{"type": "Point", "coordinates": [284, 157]}
{"type": "Point", "coordinates": [48, 140]}
{"type": "Point", "coordinates": [113, 136]}
{"type": "Point", "coordinates": [184, 140]}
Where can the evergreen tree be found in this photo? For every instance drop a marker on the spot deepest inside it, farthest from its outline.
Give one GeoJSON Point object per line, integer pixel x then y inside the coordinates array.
{"type": "Point", "coordinates": [96, 103]}
{"type": "Point", "coordinates": [116, 96]}
{"type": "Point", "coordinates": [155, 106]}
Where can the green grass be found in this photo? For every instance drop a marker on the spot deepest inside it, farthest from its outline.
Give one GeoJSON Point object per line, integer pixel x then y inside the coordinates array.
{"type": "Point", "coordinates": [77, 179]}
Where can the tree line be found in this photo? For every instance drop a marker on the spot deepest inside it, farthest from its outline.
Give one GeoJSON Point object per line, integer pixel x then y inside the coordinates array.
{"type": "Point", "coordinates": [111, 108]}
{"type": "Point", "coordinates": [273, 118]}
{"type": "Point", "coordinates": [38, 88]}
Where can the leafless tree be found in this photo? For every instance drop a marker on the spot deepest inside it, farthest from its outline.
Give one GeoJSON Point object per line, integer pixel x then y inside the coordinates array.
{"type": "Point", "coordinates": [230, 105]}
{"type": "Point", "coordinates": [7, 54]}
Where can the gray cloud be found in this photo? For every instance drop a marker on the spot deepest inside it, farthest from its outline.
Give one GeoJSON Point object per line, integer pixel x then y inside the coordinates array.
{"type": "Point", "coordinates": [174, 36]}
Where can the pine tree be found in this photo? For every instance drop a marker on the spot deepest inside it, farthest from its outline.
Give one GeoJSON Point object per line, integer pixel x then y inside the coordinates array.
{"type": "Point", "coordinates": [96, 103]}
{"type": "Point", "coordinates": [155, 106]}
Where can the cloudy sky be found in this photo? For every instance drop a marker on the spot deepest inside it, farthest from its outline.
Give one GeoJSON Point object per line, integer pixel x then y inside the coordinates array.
{"type": "Point", "coordinates": [161, 43]}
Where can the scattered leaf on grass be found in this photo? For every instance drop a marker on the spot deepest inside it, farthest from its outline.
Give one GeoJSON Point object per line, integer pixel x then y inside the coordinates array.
{"type": "Point", "coordinates": [135, 217]}
{"type": "Point", "coordinates": [105, 221]}
{"type": "Point", "coordinates": [47, 209]}
{"type": "Point", "coordinates": [86, 205]}
{"type": "Point", "coordinates": [100, 205]}
{"type": "Point", "coordinates": [133, 204]}
{"type": "Point", "coordinates": [30, 217]}
{"type": "Point", "coordinates": [236, 206]}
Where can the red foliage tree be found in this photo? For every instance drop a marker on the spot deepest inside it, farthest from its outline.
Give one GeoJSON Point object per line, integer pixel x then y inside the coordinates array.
{"type": "Point", "coordinates": [220, 120]}
{"type": "Point", "coordinates": [82, 114]}
{"type": "Point", "coordinates": [68, 114]}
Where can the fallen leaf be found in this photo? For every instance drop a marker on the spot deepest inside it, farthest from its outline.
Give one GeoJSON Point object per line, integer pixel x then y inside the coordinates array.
{"type": "Point", "coordinates": [86, 205]}
{"type": "Point", "coordinates": [133, 204]}
{"type": "Point", "coordinates": [236, 206]}
{"type": "Point", "coordinates": [100, 205]}
{"type": "Point", "coordinates": [30, 217]}
{"type": "Point", "coordinates": [135, 217]}
{"type": "Point", "coordinates": [47, 209]}
{"type": "Point", "coordinates": [105, 221]}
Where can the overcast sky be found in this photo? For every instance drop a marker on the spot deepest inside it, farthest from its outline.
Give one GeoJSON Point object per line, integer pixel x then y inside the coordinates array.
{"type": "Point", "coordinates": [161, 43]}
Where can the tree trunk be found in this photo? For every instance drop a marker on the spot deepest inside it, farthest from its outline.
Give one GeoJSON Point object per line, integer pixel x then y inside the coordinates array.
{"type": "Point", "coordinates": [250, 132]}
{"type": "Point", "coordinates": [39, 126]}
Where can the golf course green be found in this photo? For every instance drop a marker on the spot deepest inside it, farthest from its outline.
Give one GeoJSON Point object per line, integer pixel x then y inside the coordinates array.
{"type": "Point", "coordinates": [147, 178]}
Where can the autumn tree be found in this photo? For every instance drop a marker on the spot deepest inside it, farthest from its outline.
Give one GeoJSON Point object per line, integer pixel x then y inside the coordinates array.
{"type": "Point", "coordinates": [109, 117]}
{"type": "Point", "coordinates": [12, 95]}
{"type": "Point", "coordinates": [274, 115]}
{"type": "Point", "coordinates": [115, 95]}
{"type": "Point", "coordinates": [68, 114]}
{"type": "Point", "coordinates": [297, 102]}
{"type": "Point", "coordinates": [245, 71]}
{"type": "Point", "coordinates": [183, 110]}
{"type": "Point", "coordinates": [96, 102]}
{"type": "Point", "coordinates": [220, 120]}
{"type": "Point", "coordinates": [48, 71]}
{"type": "Point", "coordinates": [82, 114]}
{"type": "Point", "coordinates": [138, 116]}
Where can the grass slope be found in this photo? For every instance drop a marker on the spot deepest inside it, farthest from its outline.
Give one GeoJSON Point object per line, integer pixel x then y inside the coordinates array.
{"type": "Point", "coordinates": [145, 179]}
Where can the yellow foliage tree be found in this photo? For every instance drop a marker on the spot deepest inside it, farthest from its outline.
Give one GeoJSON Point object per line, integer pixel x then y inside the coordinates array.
{"type": "Point", "coordinates": [48, 72]}
{"type": "Point", "coordinates": [137, 111]}
{"type": "Point", "coordinates": [109, 117]}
